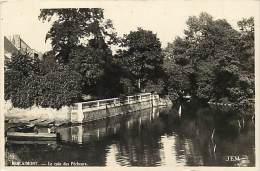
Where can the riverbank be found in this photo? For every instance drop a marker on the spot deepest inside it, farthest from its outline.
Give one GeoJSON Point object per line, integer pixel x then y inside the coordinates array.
{"type": "Point", "coordinates": [63, 115]}
{"type": "Point", "coordinates": [18, 115]}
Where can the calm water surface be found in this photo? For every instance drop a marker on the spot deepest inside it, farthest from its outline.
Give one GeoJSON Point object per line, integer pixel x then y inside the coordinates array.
{"type": "Point", "coordinates": [200, 136]}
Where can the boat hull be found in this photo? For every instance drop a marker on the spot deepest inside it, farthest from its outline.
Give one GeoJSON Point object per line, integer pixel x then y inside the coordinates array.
{"type": "Point", "coordinates": [28, 142]}
{"type": "Point", "coordinates": [31, 136]}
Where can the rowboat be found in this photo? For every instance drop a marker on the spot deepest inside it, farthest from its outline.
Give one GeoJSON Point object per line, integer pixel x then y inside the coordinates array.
{"type": "Point", "coordinates": [25, 128]}
{"type": "Point", "coordinates": [32, 136]}
{"type": "Point", "coordinates": [25, 142]}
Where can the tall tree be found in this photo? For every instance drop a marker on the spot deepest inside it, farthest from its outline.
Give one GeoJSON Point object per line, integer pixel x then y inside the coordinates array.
{"type": "Point", "coordinates": [73, 27]}
{"type": "Point", "coordinates": [81, 38]}
{"type": "Point", "coordinates": [177, 66]}
{"type": "Point", "coordinates": [143, 58]}
{"type": "Point", "coordinates": [247, 51]}
{"type": "Point", "coordinates": [220, 56]}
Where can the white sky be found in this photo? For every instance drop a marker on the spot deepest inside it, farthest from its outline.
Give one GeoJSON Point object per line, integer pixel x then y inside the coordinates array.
{"type": "Point", "coordinates": [166, 18]}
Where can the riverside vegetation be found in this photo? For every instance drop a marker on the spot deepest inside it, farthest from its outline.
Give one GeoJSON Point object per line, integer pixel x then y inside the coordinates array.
{"type": "Point", "coordinates": [211, 62]}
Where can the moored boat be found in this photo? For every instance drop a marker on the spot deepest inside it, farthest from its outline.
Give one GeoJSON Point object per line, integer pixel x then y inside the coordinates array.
{"type": "Point", "coordinates": [25, 128]}
{"type": "Point", "coordinates": [26, 142]}
{"type": "Point", "coordinates": [32, 136]}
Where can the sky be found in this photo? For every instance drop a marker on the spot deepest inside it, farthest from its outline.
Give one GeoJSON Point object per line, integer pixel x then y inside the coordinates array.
{"type": "Point", "coordinates": [164, 17]}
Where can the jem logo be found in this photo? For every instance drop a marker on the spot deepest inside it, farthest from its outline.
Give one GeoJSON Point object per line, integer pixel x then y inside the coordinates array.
{"type": "Point", "coordinates": [232, 158]}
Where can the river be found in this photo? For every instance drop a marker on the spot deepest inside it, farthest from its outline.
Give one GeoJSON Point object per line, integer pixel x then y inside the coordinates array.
{"type": "Point", "coordinates": [194, 135]}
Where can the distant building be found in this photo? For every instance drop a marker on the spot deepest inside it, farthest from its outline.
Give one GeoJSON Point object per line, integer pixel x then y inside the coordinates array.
{"type": "Point", "coordinates": [15, 44]}
{"type": "Point", "coordinates": [9, 48]}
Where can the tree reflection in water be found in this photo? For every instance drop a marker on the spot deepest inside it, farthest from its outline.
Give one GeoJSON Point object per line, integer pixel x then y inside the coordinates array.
{"type": "Point", "coordinates": [202, 136]}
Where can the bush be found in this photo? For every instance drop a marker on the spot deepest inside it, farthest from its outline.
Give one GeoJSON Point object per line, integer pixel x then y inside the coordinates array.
{"type": "Point", "coordinates": [60, 88]}
{"type": "Point", "coordinates": [25, 86]}
{"type": "Point", "coordinates": [27, 92]}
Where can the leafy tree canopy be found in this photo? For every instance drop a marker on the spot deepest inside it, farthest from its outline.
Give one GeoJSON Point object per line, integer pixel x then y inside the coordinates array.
{"type": "Point", "coordinates": [213, 59]}
{"type": "Point", "coordinates": [28, 83]}
{"type": "Point", "coordinates": [81, 38]}
{"type": "Point", "coordinates": [143, 58]}
{"type": "Point", "coordinates": [73, 27]}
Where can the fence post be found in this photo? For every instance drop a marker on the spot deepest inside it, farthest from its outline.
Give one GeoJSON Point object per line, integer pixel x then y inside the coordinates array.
{"type": "Point", "coordinates": [128, 101]}
{"type": "Point", "coordinates": [153, 102]}
{"type": "Point", "coordinates": [97, 103]}
{"type": "Point", "coordinates": [114, 101]}
{"type": "Point", "coordinates": [80, 113]}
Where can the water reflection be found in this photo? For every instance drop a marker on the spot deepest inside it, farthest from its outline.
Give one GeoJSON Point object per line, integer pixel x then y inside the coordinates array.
{"type": "Point", "coordinates": [154, 137]}
{"type": "Point", "coordinates": [99, 130]}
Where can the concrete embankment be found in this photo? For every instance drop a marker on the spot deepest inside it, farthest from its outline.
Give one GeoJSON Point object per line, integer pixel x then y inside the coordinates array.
{"type": "Point", "coordinates": [64, 115]}
{"type": "Point", "coordinates": [18, 115]}
{"type": "Point", "coordinates": [101, 109]}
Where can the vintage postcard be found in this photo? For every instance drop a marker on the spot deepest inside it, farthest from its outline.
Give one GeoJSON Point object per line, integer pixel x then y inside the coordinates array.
{"type": "Point", "coordinates": [130, 84]}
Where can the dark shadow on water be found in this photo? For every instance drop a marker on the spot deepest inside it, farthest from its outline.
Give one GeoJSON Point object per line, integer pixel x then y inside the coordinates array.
{"type": "Point", "coordinates": [200, 136]}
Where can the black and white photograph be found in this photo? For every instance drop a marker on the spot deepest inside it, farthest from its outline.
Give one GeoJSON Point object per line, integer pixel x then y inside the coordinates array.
{"type": "Point", "coordinates": [129, 83]}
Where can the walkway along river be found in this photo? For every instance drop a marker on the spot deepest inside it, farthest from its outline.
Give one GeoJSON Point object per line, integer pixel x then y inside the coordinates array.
{"type": "Point", "coordinates": [151, 137]}
{"type": "Point", "coordinates": [82, 112]}
{"type": "Point", "coordinates": [101, 109]}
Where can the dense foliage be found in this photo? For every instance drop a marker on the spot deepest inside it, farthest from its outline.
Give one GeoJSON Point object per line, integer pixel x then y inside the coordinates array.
{"type": "Point", "coordinates": [142, 60]}
{"type": "Point", "coordinates": [213, 61]}
{"type": "Point", "coordinates": [59, 88]}
{"type": "Point", "coordinates": [17, 73]}
{"type": "Point", "coordinates": [73, 27]}
{"type": "Point", "coordinates": [81, 38]}
{"type": "Point", "coordinates": [27, 85]}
